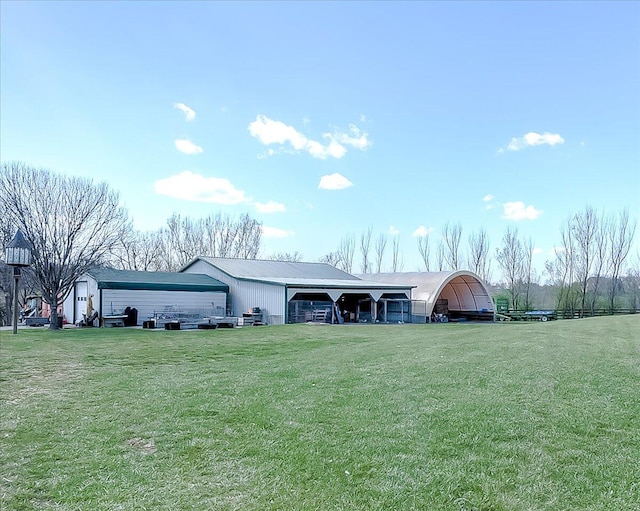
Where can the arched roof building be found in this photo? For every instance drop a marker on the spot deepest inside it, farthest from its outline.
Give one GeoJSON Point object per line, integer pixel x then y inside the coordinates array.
{"type": "Point", "coordinates": [459, 294]}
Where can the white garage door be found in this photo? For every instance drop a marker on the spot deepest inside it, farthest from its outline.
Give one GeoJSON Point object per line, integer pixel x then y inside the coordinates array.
{"type": "Point", "coordinates": [80, 306]}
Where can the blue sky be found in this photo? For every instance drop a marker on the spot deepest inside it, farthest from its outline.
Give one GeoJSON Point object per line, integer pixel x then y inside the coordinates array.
{"type": "Point", "coordinates": [322, 119]}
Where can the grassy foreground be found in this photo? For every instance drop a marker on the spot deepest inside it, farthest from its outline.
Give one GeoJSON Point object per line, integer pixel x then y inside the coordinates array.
{"type": "Point", "coordinates": [510, 416]}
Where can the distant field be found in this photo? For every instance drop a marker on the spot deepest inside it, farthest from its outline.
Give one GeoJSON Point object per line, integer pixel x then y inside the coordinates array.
{"type": "Point", "coordinates": [509, 416]}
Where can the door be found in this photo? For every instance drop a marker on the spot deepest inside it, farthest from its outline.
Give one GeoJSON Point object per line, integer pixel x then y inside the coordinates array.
{"type": "Point", "coordinates": [81, 300]}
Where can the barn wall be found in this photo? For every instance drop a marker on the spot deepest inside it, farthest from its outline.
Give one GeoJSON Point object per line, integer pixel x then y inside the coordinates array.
{"type": "Point", "coordinates": [270, 298]}
{"type": "Point", "coordinates": [148, 303]}
{"type": "Point", "coordinates": [245, 294]}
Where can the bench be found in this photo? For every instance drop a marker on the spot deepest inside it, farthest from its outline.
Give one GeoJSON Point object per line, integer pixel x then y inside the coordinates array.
{"type": "Point", "coordinates": [115, 320]}
{"type": "Point", "coordinates": [36, 321]}
{"type": "Point", "coordinates": [217, 322]}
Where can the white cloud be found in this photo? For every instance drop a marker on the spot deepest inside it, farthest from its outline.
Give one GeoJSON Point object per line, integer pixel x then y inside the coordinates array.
{"type": "Point", "coordinates": [353, 137]}
{"type": "Point", "coordinates": [269, 131]}
{"type": "Point", "coordinates": [275, 232]}
{"type": "Point", "coordinates": [189, 114]}
{"type": "Point", "coordinates": [533, 139]}
{"type": "Point", "coordinates": [422, 231]}
{"type": "Point", "coordinates": [393, 231]}
{"type": "Point", "coordinates": [270, 207]}
{"type": "Point", "coordinates": [187, 147]}
{"type": "Point", "coordinates": [334, 182]}
{"type": "Point", "coordinates": [488, 198]}
{"type": "Point", "coordinates": [197, 188]}
{"type": "Point", "coordinates": [537, 251]}
{"type": "Point", "coordinates": [518, 211]}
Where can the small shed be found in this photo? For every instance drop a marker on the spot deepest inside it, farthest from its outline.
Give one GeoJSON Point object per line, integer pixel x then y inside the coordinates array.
{"type": "Point", "coordinates": [111, 291]}
{"type": "Point", "coordinates": [458, 294]}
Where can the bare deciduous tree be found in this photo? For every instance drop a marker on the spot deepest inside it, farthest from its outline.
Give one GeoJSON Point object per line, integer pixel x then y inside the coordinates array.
{"type": "Point", "coordinates": [381, 245]}
{"type": "Point", "coordinates": [71, 223]}
{"type": "Point", "coordinates": [216, 236]}
{"type": "Point", "coordinates": [527, 272]}
{"type": "Point", "coordinates": [479, 261]}
{"type": "Point", "coordinates": [332, 258]}
{"type": "Point", "coordinates": [346, 250]}
{"type": "Point", "coordinates": [440, 256]}
{"type": "Point", "coordinates": [621, 233]}
{"type": "Point", "coordinates": [138, 251]}
{"type": "Point", "coordinates": [7, 231]}
{"type": "Point", "coordinates": [396, 257]}
{"type": "Point", "coordinates": [424, 249]}
{"type": "Point", "coordinates": [293, 257]}
{"type": "Point", "coordinates": [509, 257]}
{"type": "Point", "coordinates": [451, 235]}
{"type": "Point", "coordinates": [562, 270]}
{"type": "Point", "coordinates": [584, 228]}
{"type": "Point", "coordinates": [633, 276]}
{"type": "Point", "coordinates": [600, 262]}
{"type": "Point", "coordinates": [365, 248]}
{"type": "Point", "coordinates": [248, 237]}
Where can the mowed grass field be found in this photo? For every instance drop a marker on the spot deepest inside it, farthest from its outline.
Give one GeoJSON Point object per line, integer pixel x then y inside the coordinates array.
{"type": "Point", "coordinates": [509, 416]}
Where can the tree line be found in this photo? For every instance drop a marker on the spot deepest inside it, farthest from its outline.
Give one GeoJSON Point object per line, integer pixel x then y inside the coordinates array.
{"type": "Point", "coordinates": [75, 224]}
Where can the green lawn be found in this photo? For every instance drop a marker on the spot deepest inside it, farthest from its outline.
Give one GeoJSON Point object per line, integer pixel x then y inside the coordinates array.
{"type": "Point", "coordinates": [509, 416]}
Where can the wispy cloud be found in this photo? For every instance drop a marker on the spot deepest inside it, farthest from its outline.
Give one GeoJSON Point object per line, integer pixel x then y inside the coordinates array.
{"type": "Point", "coordinates": [334, 182]}
{"type": "Point", "coordinates": [533, 139]}
{"type": "Point", "coordinates": [275, 232]}
{"type": "Point", "coordinates": [197, 188]}
{"type": "Point", "coordinates": [488, 198]}
{"type": "Point", "coordinates": [334, 144]}
{"type": "Point", "coordinates": [518, 211]}
{"type": "Point", "coordinates": [393, 231]}
{"type": "Point", "coordinates": [270, 207]}
{"type": "Point", "coordinates": [189, 113]}
{"type": "Point", "coordinates": [187, 147]}
{"type": "Point", "coordinates": [422, 231]}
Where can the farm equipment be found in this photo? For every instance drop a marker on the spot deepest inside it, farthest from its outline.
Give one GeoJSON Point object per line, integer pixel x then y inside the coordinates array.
{"type": "Point", "coordinates": [539, 315]}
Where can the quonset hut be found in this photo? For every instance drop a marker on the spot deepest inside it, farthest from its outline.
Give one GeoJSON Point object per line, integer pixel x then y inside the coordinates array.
{"type": "Point", "coordinates": [460, 295]}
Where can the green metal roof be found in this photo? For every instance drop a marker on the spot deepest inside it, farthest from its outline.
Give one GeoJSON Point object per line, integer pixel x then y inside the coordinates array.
{"type": "Point", "coordinates": [108, 278]}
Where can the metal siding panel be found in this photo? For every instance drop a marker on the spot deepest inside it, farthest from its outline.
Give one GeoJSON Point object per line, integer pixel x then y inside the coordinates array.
{"type": "Point", "coordinates": [201, 266]}
{"type": "Point", "coordinates": [268, 297]}
{"type": "Point", "coordinates": [247, 294]}
{"type": "Point", "coordinates": [149, 302]}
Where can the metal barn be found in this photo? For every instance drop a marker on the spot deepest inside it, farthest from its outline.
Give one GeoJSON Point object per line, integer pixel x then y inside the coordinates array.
{"type": "Point", "coordinates": [150, 293]}
{"type": "Point", "coordinates": [294, 292]}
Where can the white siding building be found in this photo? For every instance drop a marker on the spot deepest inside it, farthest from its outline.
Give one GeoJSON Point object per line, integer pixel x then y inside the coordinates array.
{"type": "Point", "coordinates": [291, 292]}
{"type": "Point", "coordinates": [150, 293]}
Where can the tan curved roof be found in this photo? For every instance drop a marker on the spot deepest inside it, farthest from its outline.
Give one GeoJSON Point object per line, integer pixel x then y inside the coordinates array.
{"type": "Point", "coordinates": [463, 289]}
